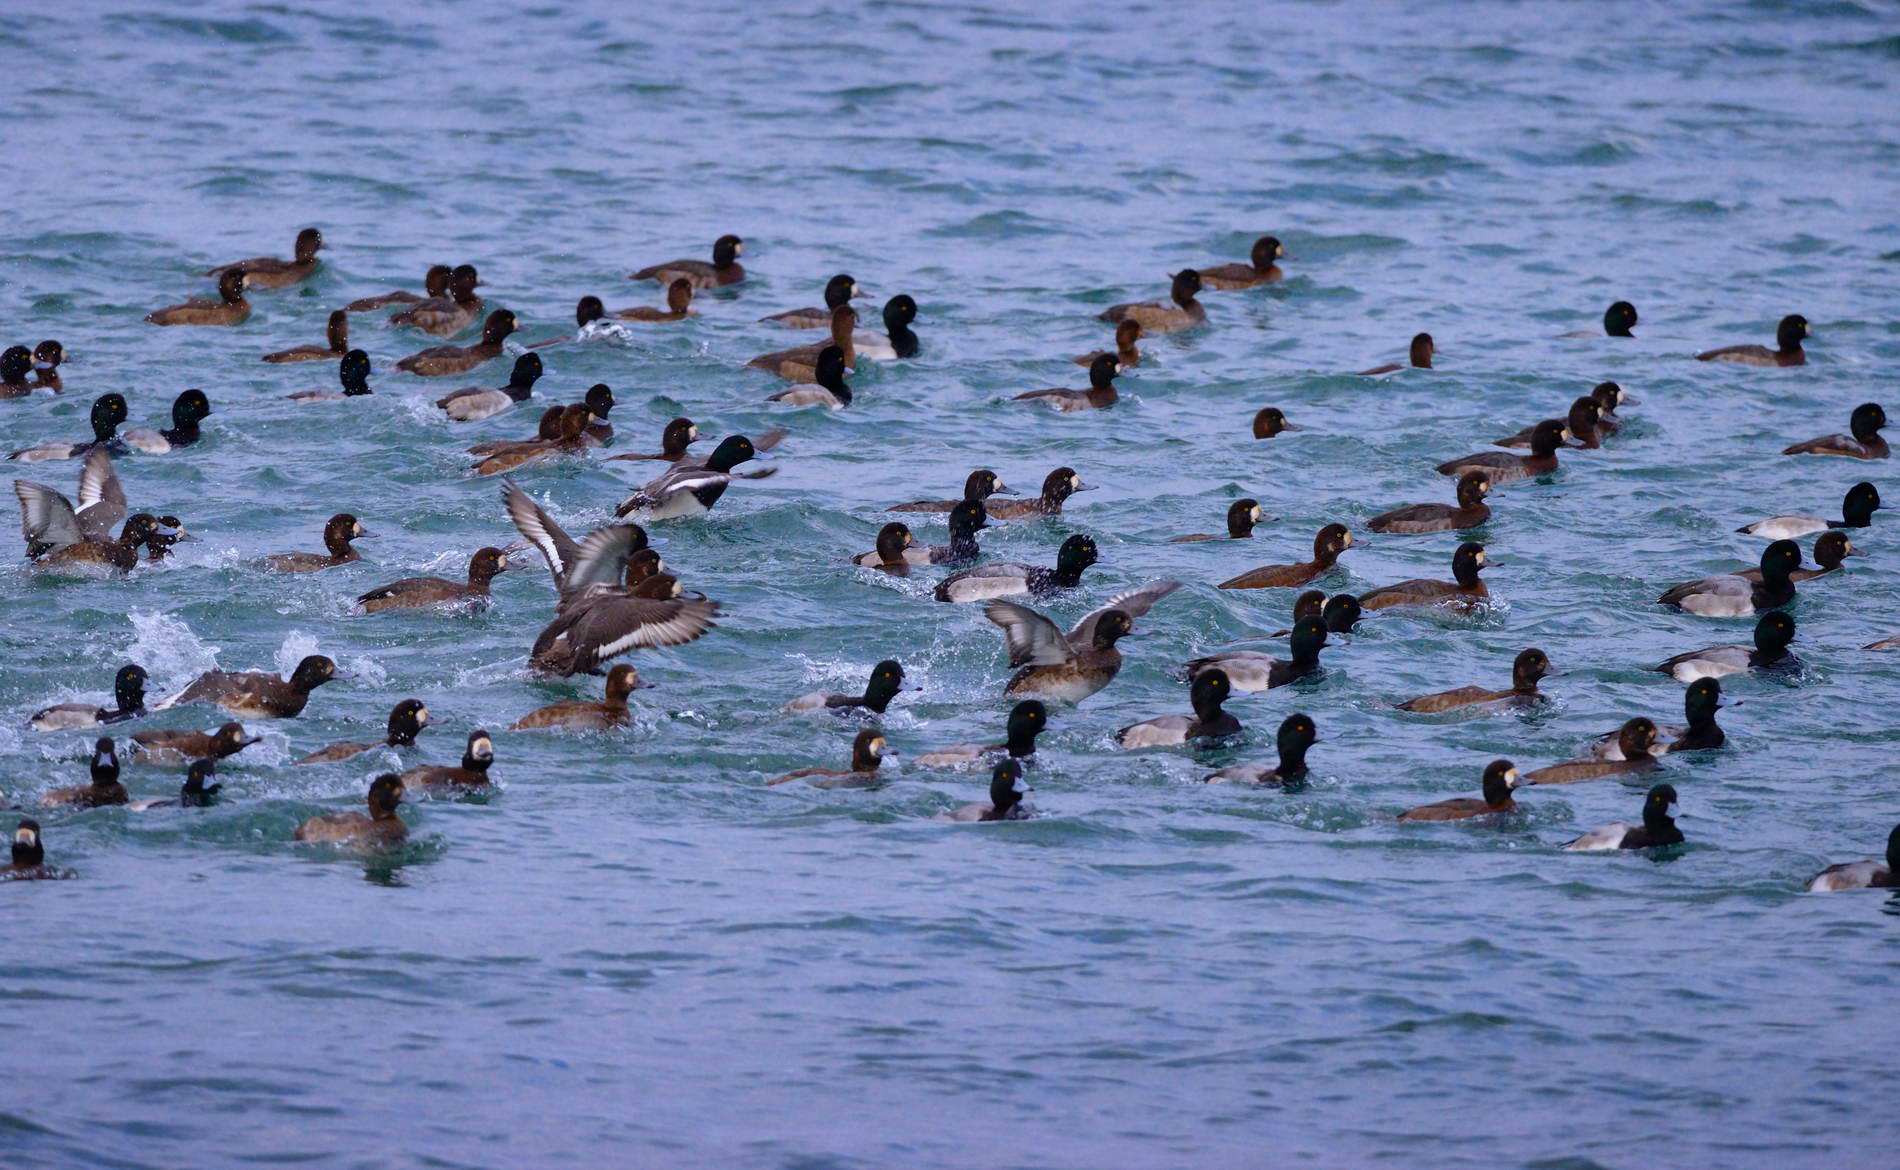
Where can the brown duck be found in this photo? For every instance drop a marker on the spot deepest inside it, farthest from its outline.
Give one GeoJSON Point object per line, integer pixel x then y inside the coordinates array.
{"type": "Point", "coordinates": [229, 309]}
{"type": "Point", "coordinates": [586, 715]}
{"type": "Point", "coordinates": [171, 747]}
{"type": "Point", "coordinates": [406, 721]}
{"type": "Point", "coordinates": [445, 316]}
{"type": "Point", "coordinates": [443, 360]}
{"type": "Point", "coordinates": [381, 827]}
{"type": "Point", "coordinates": [424, 592]}
{"type": "Point", "coordinates": [338, 532]}
{"type": "Point", "coordinates": [336, 343]}
{"type": "Point", "coordinates": [269, 272]}
{"type": "Point", "coordinates": [1328, 543]}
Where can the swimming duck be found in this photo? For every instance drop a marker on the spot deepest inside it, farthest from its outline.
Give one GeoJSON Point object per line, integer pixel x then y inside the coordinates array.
{"type": "Point", "coordinates": [47, 357]}
{"type": "Point", "coordinates": [886, 683]}
{"type": "Point", "coordinates": [893, 540]}
{"type": "Point", "coordinates": [60, 536]}
{"type": "Point", "coordinates": [679, 306]}
{"type": "Point", "coordinates": [1504, 467]}
{"type": "Point", "coordinates": [188, 410]}
{"type": "Point", "coordinates": [1500, 781]}
{"type": "Point", "coordinates": [1854, 875]}
{"type": "Point", "coordinates": [1009, 578]}
{"type": "Point", "coordinates": [1296, 736]}
{"type": "Point", "coordinates": [1027, 720]}
{"type": "Point", "coordinates": [1206, 693]}
{"type": "Point", "coordinates": [352, 372]}
{"type": "Point", "coordinates": [1787, 352]}
{"type": "Point", "coordinates": [406, 721]}
{"type": "Point", "coordinates": [1732, 595]}
{"type": "Point", "coordinates": [1341, 613]}
{"type": "Point", "coordinates": [156, 747]}
{"type": "Point", "coordinates": [1581, 421]}
{"type": "Point", "coordinates": [128, 699]}
{"type": "Point", "coordinates": [1617, 320]}
{"type": "Point", "coordinates": [1529, 667]}
{"type": "Point", "coordinates": [724, 269]}
{"type": "Point", "coordinates": [690, 491]}
{"type": "Point", "coordinates": [1126, 355]}
{"type": "Point", "coordinates": [1700, 702]}
{"type": "Point", "coordinates": [16, 367]}
{"type": "Point", "coordinates": [1242, 515]}
{"type": "Point", "coordinates": [1328, 543]}
{"type": "Point", "coordinates": [269, 272]}
{"type": "Point", "coordinates": [830, 390]}
{"type": "Point", "coordinates": [229, 309]}
{"type": "Point", "coordinates": [442, 360]}
{"type": "Point", "coordinates": [105, 788]}
{"type": "Point", "coordinates": [258, 694]}
{"type": "Point", "coordinates": [897, 340]}
{"type": "Point", "coordinates": [473, 403]}
{"type": "Point", "coordinates": [338, 532]}
{"type": "Point", "coordinates": [193, 793]}
{"type": "Point", "coordinates": [1773, 633]}
{"type": "Point", "coordinates": [1101, 391]}
{"type": "Point", "coordinates": [1270, 421]}
{"type": "Point", "coordinates": [1308, 604]}
{"type": "Point", "coordinates": [867, 752]}
{"type": "Point", "coordinates": [547, 430]}
{"type": "Point", "coordinates": [28, 861]}
{"type": "Point", "coordinates": [1857, 511]}
{"type": "Point", "coordinates": [336, 338]}
{"type": "Point", "coordinates": [679, 435]}
{"type": "Point", "coordinates": [1609, 396]}
{"type": "Point", "coordinates": [586, 715]}
{"type": "Point", "coordinates": [1005, 802]}
{"type": "Point", "coordinates": [1161, 317]}
{"type": "Point", "coordinates": [1057, 487]}
{"type": "Point", "coordinates": [966, 520]}
{"type": "Point", "coordinates": [801, 363]}
{"type": "Point", "coordinates": [1250, 670]}
{"type": "Point", "coordinates": [1830, 550]}
{"type": "Point", "coordinates": [838, 291]}
{"type": "Point", "coordinates": [570, 439]}
{"type": "Point", "coordinates": [381, 827]}
{"type": "Point", "coordinates": [435, 283]}
{"type": "Point", "coordinates": [1260, 270]}
{"type": "Point", "coordinates": [1633, 756]}
{"type": "Point", "coordinates": [1423, 349]}
{"type": "Point", "coordinates": [596, 623]}
{"type": "Point", "coordinates": [445, 316]}
{"type": "Point", "coordinates": [442, 780]}
{"type": "Point", "coordinates": [1465, 591]}
{"type": "Point", "coordinates": [1658, 827]}
{"type": "Point", "coordinates": [424, 592]}
{"type": "Point", "coordinates": [1470, 511]}
{"type": "Point", "coordinates": [1075, 665]}
{"type": "Point", "coordinates": [1864, 443]}
{"type": "Point", "coordinates": [980, 486]}
{"type": "Point", "coordinates": [108, 411]}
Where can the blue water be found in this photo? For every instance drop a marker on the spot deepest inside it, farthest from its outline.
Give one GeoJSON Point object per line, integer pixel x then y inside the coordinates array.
{"type": "Point", "coordinates": [637, 954]}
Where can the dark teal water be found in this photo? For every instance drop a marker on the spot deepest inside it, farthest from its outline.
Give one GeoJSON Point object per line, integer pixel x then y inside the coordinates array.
{"type": "Point", "coordinates": [637, 954]}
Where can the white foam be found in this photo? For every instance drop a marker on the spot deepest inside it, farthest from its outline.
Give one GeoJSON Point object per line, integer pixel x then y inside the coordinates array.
{"type": "Point", "coordinates": [170, 653]}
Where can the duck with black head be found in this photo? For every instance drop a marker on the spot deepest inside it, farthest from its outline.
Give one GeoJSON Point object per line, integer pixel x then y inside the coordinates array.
{"type": "Point", "coordinates": [447, 315]}
{"type": "Point", "coordinates": [1657, 830]}
{"type": "Point", "coordinates": [435, 283]}
{"type": "Point", "coordinates": [1584, 421]}
{"type": "Point", "coordinates": [1860, 875]}
{"type": "Point", "coordinates": [471, 775]}
{"type": "Point", "coordinates": [1857, 511]}
{"type": "Point", "coordinates": [979, 486]}
{"type": "Point", "coordinates": [432, 592]}
{"type": "Point", "coordinates": [690, 490]}
{"type": "Point", "coordinates": [1733, 595]}
{"type": "Point", "coordinates": [258, 694]}
{"type": "Point", "coordinates": [1618, 319]}
{"type": "Point", "coordinates": [966, 520]}
{"type": "Point", "coordinates": [1789, 335]}
{"type": "Point", "coordinates": [839, 290]}
{"type": "Point", "coordinates": [63, 539]}
{"type": "Point", "coordinates": [1864, 443]}
{"type": "Point", "coordinates": [268, 272]}
{"type": "Point", "coordinates": [1206, 694]}
{"type": "Point", "coordinates": [1465, 591]}
{"type": "Point", "coordinates": [1773, 634]}
{"type": "Point", "coordinates": [1831, 550]}
{"type": "Point", "coordinates": [1700, 701]}
{"type": "Point", "coordinates": [1101, 391]}
{"type": "Point", "coordinates": [229, 309]}
{"type": "Point", "coordinates": [1074, 665]}
{"type": "Point", "coordinates": [801, 363]}
{"type": "Point", "coordinates": [885, 684]}
{"type": "Point", "coordinates": [336, 343]}
{"type": "Point", "coordinates": [1328, 544]}
{"type": "Point", "coordinates": [172, 746]}
{"type": "Point", "coordinates": [1296, 737]}
{"type": "Point", "coordinates": [1011, 578]}
{"type": "Point", "coordinates": [1057, 487]}
{"type": "Point", "coordinates": [1125, 353]}
{"type": "Point", "coordinates": [442, 360]}
{"type": "Point", "coordinates": [725, 268]}
{"type": "Point", "coordinates": [193, 793]}
{"type": "Point", "coordinates": [1262, 268]}
{"type": "Point", "coordinates": [1530, 667]}
{"type": "Point", "coordinates": [893, 541]}
{"type": "Point", "coordinates": [898, 339]}
{"type": "Point", "coordinates": [1422, 350]}
{"type": "Point", "coordinates": [104, 788]}
{"type": "Point", "coordinates": [48, 355]}
{"type": "Point", "coordinates": [1469, 512]}
{"type": "Point", "coordinates": [867, 753]}
{"type": "Point", "coordinates": [1005, 802]}
{"type": "Point", "coordinates": [1242, 516]}
{"type": "Point", "coordinates": [1269, 421]}
{"type": "Point", "coordinates": [1186, 312]}
{"type": "Point", "coordinates": [128, 702]}
{"type": "Point", "coordinates": [829, 389]}
{"type": "Point", "coordinates": [188, 410]}
{"type": "Point", "coordinates": [381, 827]}
{"type": "Point", "coordinates": [28, 862]}
{"type": "Point", "coordinates": [352, 373]}
{"type": "Point", "coordinates": [474, 403]}
{"type": "Point", "coordinates": [1504, 467]}
{"type": "Point", "coordinates": [108, 411]}
{"type": "Point", "coordinates": [1252, 671]}
{"type": "Point", "coordinates": [1027, 720]}
{"type": "Point", "coordinates": [16, 372]}
{"type": "Point", "coordinates": [1499, 782]}
{"type": "Point", "coordinates": [406, 721]}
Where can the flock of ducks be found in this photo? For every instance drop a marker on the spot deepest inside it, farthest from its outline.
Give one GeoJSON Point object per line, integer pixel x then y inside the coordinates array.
{"type": "Point", "coordinates": [614, 594]}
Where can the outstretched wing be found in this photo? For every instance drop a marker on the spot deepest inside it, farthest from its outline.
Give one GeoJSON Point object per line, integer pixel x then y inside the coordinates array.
{"type": "Point", "coordinates": [538, 528]}
{"type": "Point", "coordinates": [601, 557]}
{"type": "Point", "coordinates": [1030, 638]}
{"type": "Point", "coordinates": [101, 499]}
{"type": "Point", "coordinates": [1134, 602]}
{"type": "Point", "coordinates": [47, 521]}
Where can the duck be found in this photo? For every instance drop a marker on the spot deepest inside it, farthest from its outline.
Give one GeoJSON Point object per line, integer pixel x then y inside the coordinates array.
{"type": "Point", "coordinates": [28, 862]}
{"type": "Point", "coordinates": [966, 520]}
{"type": "Point", "coordinates": [1057, 487]}
{"type": "Point", "coordinates": [1581, 421]}
{"type": "Point", "coordinates": [1101, 391]}
{"type": "Point", "coordinates": [1500, 781]}
{"type": "Point", "coordinates": [1773, 633]}
{"type": "Point", "coordinates": [16, 365]}
{"type": "Point", "coordinates": [1469, 512]}
{"type": "Point", "coordinates": [105, 788]}
{"type": "Point", "coordinates": [1700, 701]}
{"type": "Point", "coordinates": [690, 491]}
{"type": "Point", "coordinates": [424, 592]}
{"type": "Point", "coordinates": [108, 411]}
{"type": "Point", "coordinates": [1423, 349]}
{"type": "Point", "coordinates": [1070, 667]}
{"type": "Point", "coordinates": [1341, 613]}
{"type": "Point", "coordinates": [1464, 591]}
{"type": "Point", "coordinates": [104, 557]}
{"type": "Point", "coordinates": [1618, 319]}
{"type": "Point", "coordinates": [1864, 443]}
{"type": "Point", "coordinates": [1857, 511]}
{"type": "Point", "coordinates": [269, 272]}
{"type": "Point", "coordinates": [1609, 396]}
{"type": "Point", "coordinates": [893, 541]}
{"type": "Point", "coordinates": [1250, 670]}
{"type": "Point", "coordinates": [162, 532]}
{"type": "Point", "coordinates": [1789, 334]}
{"type": "Point", "coordinates": [128, 702]}
{"type": "Point", "coordinates": [474, 403]}
{"type": "Point", "coordinates": [1732, 595]}
{"type": "Point", "coordinates": [188, 410]}
{"type": "Point", "coordinates": [979, 486]}
{"type": "Point", "coordinates": [1328, 543]}
{"type": "Point", "coordinates": [60, 536]}
{"type": "Point", "coordinates": [258, 694]}
{"type": "Point", "coordinates": [838, 291]}
{"type": "Point", "coordinates": [1858, 875]}
{"type": "Point", "coordinates": [675, 439]}
{"type": "Point", "coordinates": [445, 316]}
{"type": "Point", "coordinates": [724, 269]}
{"type": "Point", "coordinates": [570, 439]}
{"type": "Point", "coordinates": [381, 827]}
{"type": "Point", "coordinates": [600, 558]}
{"type": "Point", "coordinates": [1269, 421]}
{"type": "Point", "coordinates": [338, 531]}
{"type": "Point", "coordinates": [1206, 693]}
{"type": "Point", "coordinates": [193, 793]}
{"type": "Point", "coordinates": [336, 343]}
{"type": "Point", "coordinates": [1295, 738]}
{"type": "Point", "coordinates": [1009, 578]}
{"type": "Point", "coordinates": [1027, 720]}
{"type": "Point", "coordinates": [352, 372]}
{"type": "Point", "coordinates": [801, 363]}
{"type": "Point", "coordinates": [155, 747]}
{"type": "Point", "coordinates": [1126, 354]}
{"type": "Point", "coordinates": [585, 714]}
{"type": "Point", "coordinates": [1633, 757]}
{"type": "Point", "coordinates": [1161, 317]}
{"type": "Point", "coordinates": [229, 309]}
{"type": "Point", "coordinates": [1658, 827]}
{"type": "Point", "coordinates": [547, 430]}
{"type": "Point", "coordinates": [1262, 268]}
{"type": "Point", "coordinates": [603, 622]}
{"type": "Point", "coordinates": [1005, 802]}
{"type": "Point", "coordinates": [1527, 669]}
{"type": "Point", "coordinates": [867, 752]}
{"type": "Point", "coordinates": [1831, 548]}
{"type": "Point", "coordinates": [1242, 516]}
{"type": "Point", "coordinates": [898, 340]}
{"type": "Point", "coordinates": [886, 683]}
{"type": "Point", "coordinates": [829, 389]}
{"type": "Point", "coordinates": [48, 355]}
{"type": "Point", "coordinates": [442, 360]}
{"type": "Point", "coordinates": [443, 780]}
{"type": "Point", "coordinates": [679, 306]}
{"type": "Point", "coordinates": [406, 721]}
{"type": "Point", "coordinates": [435, 283]}
{"type": "Point", "coordinates": [1504, 467]}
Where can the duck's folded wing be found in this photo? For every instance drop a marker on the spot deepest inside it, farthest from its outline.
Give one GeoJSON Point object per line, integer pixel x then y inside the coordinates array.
{"type": "Point", "coordinates": [1725, 585]}
{"type": "Point", "coordinates": [1825, 445]}
{"type": "Point", "coordinates": [1031, 639]}
{"type": "Point", "coordinates": [101, 499]}
{"type": "Point", "coordinates": [538, 528]}
{"type": "Point", "coordinates": [1134, 602]}
{"type": "Point", "coordinates": [47, 520]}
